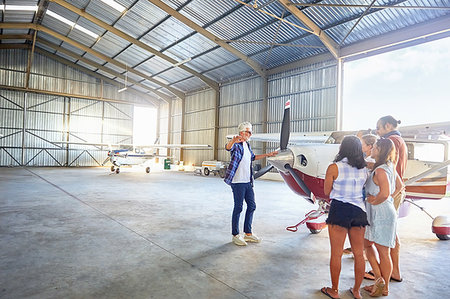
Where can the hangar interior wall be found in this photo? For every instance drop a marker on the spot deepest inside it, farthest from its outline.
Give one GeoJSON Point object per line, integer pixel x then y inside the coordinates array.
{"type": "Point", "coordinates": [30, 121]}
{"type": "Point", "coordinates": [312, 90]}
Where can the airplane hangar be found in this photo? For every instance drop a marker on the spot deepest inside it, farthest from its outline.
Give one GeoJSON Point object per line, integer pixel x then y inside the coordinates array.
{"type": "Point", "coordinates": [71, 74]}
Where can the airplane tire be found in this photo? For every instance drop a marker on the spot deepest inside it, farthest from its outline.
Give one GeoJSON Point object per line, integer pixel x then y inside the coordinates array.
{"type": "Point", "coordinates": [112, 169]}
{"type": "Point", "coordinates": [443, 237]}
{"type": "Point", "coordinates": [147, 170]}
{"type": "Point", "coordinates": [206, 171]}
{"type": "Point", "coordinates": [117, 170]}
{"type": "Point", "coordinates": [315, 231]}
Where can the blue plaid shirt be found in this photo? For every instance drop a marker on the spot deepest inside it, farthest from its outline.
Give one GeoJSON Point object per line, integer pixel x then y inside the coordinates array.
{"type": "Point", "coordinates": [237, 151]}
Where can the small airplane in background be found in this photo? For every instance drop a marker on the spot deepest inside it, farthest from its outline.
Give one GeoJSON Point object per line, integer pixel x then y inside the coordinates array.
{"type": "Point", "coordinates": [129, 154]}
{"type": "Point", "coordinates": [304, 162]}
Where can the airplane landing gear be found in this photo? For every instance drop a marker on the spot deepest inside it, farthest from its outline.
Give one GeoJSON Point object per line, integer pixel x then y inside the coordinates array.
{"type": "Point", "coordinates": [147, 170]}
{"type": "Point", "coordinates": [112, 168]}
{"type": "Point", "coordinates": [441, 227]}
{"type": "Point", "coordinates": [117, 170]}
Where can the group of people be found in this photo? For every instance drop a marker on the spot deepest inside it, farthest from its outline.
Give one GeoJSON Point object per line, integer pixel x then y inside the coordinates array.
{"type": "Point", "coordinates": [366, 188]}
{"type": "Point", "coordinates": [365, 185]}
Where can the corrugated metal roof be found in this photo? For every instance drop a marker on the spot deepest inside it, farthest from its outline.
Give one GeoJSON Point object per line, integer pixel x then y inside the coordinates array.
{"type": "Point", "coordinates": [225, 19]}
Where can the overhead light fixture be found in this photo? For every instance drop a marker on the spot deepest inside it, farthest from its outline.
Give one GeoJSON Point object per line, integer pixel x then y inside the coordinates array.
{"type": "Point", "coordinates": [71, 24]}
{"type": "Point", "coordinates": [182, 62]}
{"type": "Point", "coordinates": [20, 7]}
{"type": "Point", "coordinates": [115, 5]}
{"type": "Point", "coordinates": [126, 78]}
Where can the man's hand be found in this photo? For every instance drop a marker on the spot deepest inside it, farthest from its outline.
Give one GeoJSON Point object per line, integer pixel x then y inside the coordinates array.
{"type": "Point", "coordinates": [274, 153]}
{"type": "Point", "coordinates": [237, 139]}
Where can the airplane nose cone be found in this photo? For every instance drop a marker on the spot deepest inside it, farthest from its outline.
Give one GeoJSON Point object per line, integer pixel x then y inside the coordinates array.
{"type": "Point", "coordinates": [281, 159]}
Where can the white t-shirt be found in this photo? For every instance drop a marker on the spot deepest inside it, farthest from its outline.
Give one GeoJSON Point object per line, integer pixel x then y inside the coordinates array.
{"type": "Point", "coordinates": [242, 174]}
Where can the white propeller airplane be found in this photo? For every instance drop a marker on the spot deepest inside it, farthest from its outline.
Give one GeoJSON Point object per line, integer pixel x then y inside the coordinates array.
{"type": "Point", "coordinates": [129, 154]}
{"type": "Point", "coordinates": [304, 162]}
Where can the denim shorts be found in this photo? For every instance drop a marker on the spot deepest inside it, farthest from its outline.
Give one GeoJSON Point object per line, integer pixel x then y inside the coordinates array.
{"type": "Point", "coordinates": [346, 215]}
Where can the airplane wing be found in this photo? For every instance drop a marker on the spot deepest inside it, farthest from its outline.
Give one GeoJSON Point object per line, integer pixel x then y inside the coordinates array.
{"type": "Point", "coordinates": [426, 131]}
{"type": "Point", "coordinates": [175, 146]}
{"type": "Point", "coordinates": [295, 138]}
{"type": "Point", "coordinates": [133, 145]}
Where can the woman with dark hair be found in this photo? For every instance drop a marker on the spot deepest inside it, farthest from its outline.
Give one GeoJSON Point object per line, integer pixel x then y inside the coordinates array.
{"type": "Point", "coordinates": [381, 186]}
{"type": "Point", "coordinates": [344, 182]}
{"type": "Point", "coordinates": [387, 128]}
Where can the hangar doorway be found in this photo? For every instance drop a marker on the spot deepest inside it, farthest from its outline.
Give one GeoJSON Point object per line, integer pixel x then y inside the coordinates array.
{"type": "Point", "coordinates": [411, 84]}
{"type": "Point", "coordinates": [144, 125]}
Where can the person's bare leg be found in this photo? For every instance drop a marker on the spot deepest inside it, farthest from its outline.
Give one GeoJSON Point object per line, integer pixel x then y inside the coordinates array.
{"type": "Point", "coordinates": [385, 265]}
{"type": "Point", "coordinates": [395, 256]}
{"type": "Point", "coordinates": [337, 238]}
{"type": "Point", "coordinates": [372, 257]}
{"type": "Point", "coordinates": [356, 236]}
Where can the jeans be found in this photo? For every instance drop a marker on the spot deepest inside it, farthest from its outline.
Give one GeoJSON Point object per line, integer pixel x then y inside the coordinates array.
{"type": "Point", "coordinates": [242, 191]}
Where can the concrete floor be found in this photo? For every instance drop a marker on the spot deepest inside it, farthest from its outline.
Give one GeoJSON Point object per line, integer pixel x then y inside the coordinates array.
{"type": "Point", "coordinates": [86, 233]}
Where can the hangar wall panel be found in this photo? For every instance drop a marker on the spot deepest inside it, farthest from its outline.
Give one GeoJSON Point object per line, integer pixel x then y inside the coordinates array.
{"type": "Point", "coordinates": [240, 101]}
{"type": "Point", "coordinates": [312, 90]}
{"type": "Point", "coordinates": [32, 122]}
{"type": "Point", "coordinates": [199, 126]}
{"type": "Point", "coordinates": [50, 75]}
{"type": "Point", "coordinates": [29, 121]}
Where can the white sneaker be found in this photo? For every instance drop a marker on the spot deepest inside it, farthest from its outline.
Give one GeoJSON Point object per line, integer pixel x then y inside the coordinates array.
{"type": "Point", "coordinates": [252, 238]}
{"type": "Point", "coordinates": [239, 240]}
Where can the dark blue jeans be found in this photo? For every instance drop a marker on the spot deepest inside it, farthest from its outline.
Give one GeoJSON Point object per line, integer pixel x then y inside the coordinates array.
{"type": "Point", "coordinates": [241, 192]}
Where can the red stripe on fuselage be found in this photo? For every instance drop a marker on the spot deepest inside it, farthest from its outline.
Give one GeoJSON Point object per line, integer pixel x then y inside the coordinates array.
{"type": "Point", "coordinates": [314, 184]}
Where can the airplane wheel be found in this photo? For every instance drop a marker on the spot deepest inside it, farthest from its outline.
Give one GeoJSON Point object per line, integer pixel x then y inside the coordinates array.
{"type": "Point", "coordinates": [315, 231]}
{"type": "Point", "coordinates": [443, 237]}
{"type": "Point", "coordinates": [117, 170]}
{"type": "Point", "coordinates": [206, 171]}
{"type": "Point", "coordinates": [147, 170]}
{"type": "Point", "coordinates": [112, 169]}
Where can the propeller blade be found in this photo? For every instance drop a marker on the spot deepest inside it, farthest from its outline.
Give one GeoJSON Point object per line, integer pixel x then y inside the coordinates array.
{"type": "Point", "coordinates": [301, 183]}
{"type": "Point", "coordinates": [263, 171]}
{"type": "Point", "coordinates": [285, 127]}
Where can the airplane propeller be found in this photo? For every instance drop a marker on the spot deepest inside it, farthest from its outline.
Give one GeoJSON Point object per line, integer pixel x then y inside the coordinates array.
{"type": "Point", "coordinates": [282, 159]}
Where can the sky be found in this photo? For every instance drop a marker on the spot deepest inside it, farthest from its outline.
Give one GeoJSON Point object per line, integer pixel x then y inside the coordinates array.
{"type": "Point", "coordinates": [411, 84]}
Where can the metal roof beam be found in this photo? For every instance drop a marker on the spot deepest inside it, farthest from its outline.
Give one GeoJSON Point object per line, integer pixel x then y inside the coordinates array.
{"type": "Point", "coordinates": [367, 5]}
{"type": "Point", "coordinates": [163, 96]}
{"type": "Point", "coordinates": [253, 64]}
{"type": "Point", "coordinates": [331, 45]}
{"type": "Point", "coordinates": [177, 92]}
{"type": "Point", "coordinates": [16, 36]}
{"type": "Point", "coordinates": [62, 94]}
{"type": "Point", "coordinates": [136, 42]}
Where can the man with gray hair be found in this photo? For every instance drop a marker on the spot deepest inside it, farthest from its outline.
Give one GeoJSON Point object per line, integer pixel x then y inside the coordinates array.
{"type": "Point", "coordinates": [239, 176]}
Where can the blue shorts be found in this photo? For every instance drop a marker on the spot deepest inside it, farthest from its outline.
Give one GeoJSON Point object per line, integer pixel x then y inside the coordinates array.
{"type": "Point", "coordinates": [346, 215]}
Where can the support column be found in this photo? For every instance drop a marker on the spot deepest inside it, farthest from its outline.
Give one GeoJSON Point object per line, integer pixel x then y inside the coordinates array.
{"type": "Point", "coordinates": [24, 121]}
{"type": "Point", "coordinates": [183, 113]}
{"type": "Point", "coordinates": [265, 103]}
{"type": "Point", "coordinates": [339, 87]}
{"type": "Point", "coordinates": [158, 132]}
{"type": "Point", "coordinates": [169, 127]}
{"type": "Point", "coordinates": [216, 124]}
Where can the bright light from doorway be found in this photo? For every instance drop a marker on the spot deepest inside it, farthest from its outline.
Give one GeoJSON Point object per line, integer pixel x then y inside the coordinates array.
{"type": "Point", "coordinates": [411, 84]}
{"type": "Point", "coordinates": [144, 125]}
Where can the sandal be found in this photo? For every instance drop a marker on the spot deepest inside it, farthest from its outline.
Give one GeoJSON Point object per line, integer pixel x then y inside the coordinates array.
{"type": "Point", "coordinates": [324, 290]}
{"type": "Point", "coordinates": [378, 288]}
